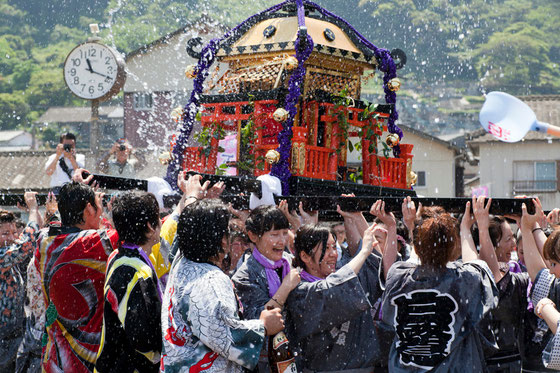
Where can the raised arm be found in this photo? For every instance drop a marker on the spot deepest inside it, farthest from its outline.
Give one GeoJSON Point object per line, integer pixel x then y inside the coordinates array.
{"type": "Point", "coordinates": [487, 250]}
{"type": "Point", "coordinates": [50, 167]}
{"type": "Point", "coordinates": [408, 209]}
{"type": "Point", "coordinates": [353, 237]}
{"type": "Point", "coordinates": [390, 251]}
{"type": "Point", "coordinates": [293, 217]}
{"type": "Point", "coordinates": [541, 223]}
{"type": "Point", "coordinates": [533, 259]}
{"type": "Point", "coordinates": [140, 159]}
{"type": "Point", "coordinates": [31, 202]}
{"type": "Point", "coordinates": [368, 243]}
{"type": "Point", "coordinates": [103, 164]}
{"type": "Point", "coordinates": [468, 250]}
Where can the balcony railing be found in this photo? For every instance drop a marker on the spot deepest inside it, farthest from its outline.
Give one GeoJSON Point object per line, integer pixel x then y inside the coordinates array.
{"type": "Point", "coordinates": [521, 186]}
{"type": "Point", "coordinates": [390, 172]}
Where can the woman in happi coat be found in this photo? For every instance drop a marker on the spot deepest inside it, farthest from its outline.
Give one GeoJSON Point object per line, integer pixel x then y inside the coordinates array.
{"type": "Point", "coordinates": [330, 319]}
{"type": "Point", "coordinates": [266, 279]}
{"type": "Point", "coordinates": [435, 307]}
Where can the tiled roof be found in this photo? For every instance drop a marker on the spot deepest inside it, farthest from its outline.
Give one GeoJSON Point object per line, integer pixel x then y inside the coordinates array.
{"type": "Point", "coordinates": [26, 169]}
{"type": "Point", "coordinates": [427, 136]}
{"type": "Point", "coordinates": [546, 108]}
{"type": "Point", "coordinates": [9, 135]}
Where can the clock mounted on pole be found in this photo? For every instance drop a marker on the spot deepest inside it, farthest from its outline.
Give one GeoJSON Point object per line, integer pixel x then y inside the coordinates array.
{"type": "Point", "coordinates": [95, 72]}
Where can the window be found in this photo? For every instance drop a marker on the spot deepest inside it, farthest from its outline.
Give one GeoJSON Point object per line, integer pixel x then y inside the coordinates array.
{"type": "Point", "coordinates": [534, 176]}
{"type": "Point", "coordinates": [142, 101]}
{"type": "Point", "coordinates": [421, 181]}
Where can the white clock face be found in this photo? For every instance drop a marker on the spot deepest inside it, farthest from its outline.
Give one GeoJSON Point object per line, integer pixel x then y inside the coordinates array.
{"type": "Point", "coordinates": [91, 70]}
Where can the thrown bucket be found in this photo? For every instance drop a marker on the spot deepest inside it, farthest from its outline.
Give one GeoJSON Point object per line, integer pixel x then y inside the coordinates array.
{"type": "Point", "coordinates": [509, 119]}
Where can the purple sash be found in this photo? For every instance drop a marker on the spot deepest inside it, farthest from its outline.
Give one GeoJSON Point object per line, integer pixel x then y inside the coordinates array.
{"type": "Point", "coordinates": [271, 275]}
{"type": "Point", "coordinates": [308, 277]}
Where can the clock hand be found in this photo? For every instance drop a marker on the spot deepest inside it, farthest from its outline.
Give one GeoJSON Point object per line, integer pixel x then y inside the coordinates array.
{"type": "Point", "coordinates": [89, 66]}
{"type": "Point", "coordinates": [95, 72]}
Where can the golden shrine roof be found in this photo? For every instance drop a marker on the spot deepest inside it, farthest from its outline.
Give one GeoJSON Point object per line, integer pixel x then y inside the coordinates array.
{"type": "Point", "coordinates": [279, 34]}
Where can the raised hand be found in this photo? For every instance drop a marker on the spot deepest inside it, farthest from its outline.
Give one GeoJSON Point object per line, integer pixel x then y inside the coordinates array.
{"type": "Point", "coordinates": [192, 186]}
{"type": "Point", "coordinates": [540, 213]}
{"type": "Point", "coordinates": [482, 213]}
{"type": "Point", "coordinates": [216, 190]}
{"type": "Point", "coordinates": [308, 218]}
{"type": "Point", "coordinates": [529, 221]}
{"type": "Point", "coordinates": [51, 205]}
{"type": "Point", "coordinates": [31, 200]}
{"type": "Point", "coordinates": [468, 219]}
{"type": "Point", "coordinates": [553, 217]}
{"type": "Point", "coordinates": [79, 176]}
{"type": "Point", "coordinates": [408, 209]}
{"type": "Point", "coordinates": [369, 240]}
{"type": "Point", "coordinates": [378, 209]}
{"type": "Point", "coordinates": [293, 217]}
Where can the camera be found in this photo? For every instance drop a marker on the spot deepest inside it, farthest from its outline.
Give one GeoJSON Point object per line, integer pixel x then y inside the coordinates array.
{"type": "Point", "coordinates": [67, 147]}
{"type": "Point", "coordinates": [122, 148]}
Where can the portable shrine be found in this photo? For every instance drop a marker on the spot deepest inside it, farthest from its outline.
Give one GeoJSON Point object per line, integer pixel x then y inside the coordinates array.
{"type": "Point", "coordinates": [290, 99]}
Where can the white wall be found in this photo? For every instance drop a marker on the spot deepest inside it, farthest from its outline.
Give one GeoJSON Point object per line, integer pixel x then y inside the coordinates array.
{"type": "Point", "coordinates": [162, 68]}
{"type": "Point", "coordinates": [25, 139]}
{"type": "Point", "coordinates": [437, 160]}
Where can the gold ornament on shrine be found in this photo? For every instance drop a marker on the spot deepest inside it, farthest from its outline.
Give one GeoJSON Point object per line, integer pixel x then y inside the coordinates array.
{"type": "Point", "coordinates": [392, 140]}
{"type": "Point", "coordinates": [272, 156]}
{"type": "Point", "coordinates": [291, 63]}
{"type": "Point", "coordinates": [280, 115]}
{"type": "Point", "coordinates": [176, 114]}
{"type": "Point", "coordinates": [394, 84]}
{"type": "Point", "coordinates": [413, 178]}
{"type": "Point", "coordinates": [190, 71]}
{"type": "Point", "coordinates": [165, 158]}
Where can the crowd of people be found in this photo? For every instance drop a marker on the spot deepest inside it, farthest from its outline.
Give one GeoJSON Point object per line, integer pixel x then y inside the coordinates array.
{"type": "Point", "coordinates": [131, 287]}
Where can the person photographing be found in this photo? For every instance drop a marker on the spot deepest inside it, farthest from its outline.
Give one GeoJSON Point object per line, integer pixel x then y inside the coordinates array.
{"type": "Point", "coordinates": [121, 164]}
{"type": "Point", "coordinates": [61, 165]}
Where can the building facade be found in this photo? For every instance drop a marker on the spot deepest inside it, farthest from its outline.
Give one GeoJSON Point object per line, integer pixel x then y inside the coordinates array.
{"type": "Point", "coordinates": [528, 167]}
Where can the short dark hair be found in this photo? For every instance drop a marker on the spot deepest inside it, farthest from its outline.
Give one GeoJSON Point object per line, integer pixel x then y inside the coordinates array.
{"type": "Point", "coordinates": [7, 217]}
{"type": "Point", "coordinates": [67, 136]}
{"type": "Point", "coordinates": [132, 211]}
{"type": "Point", "coordinates": [307, 238]}
{"type": "Point", "coordinates": [551, 249]}
{"type": "Point", "coordinates": [266, 218]}
{"type": "Point", "coordinates": [435, 239]}
{"type": "Point", "coordinates": [494, 230]}
{"type": "Point", "coordinates": [72, 201]}
{"type": "Point", "coordinates": [201, 228]}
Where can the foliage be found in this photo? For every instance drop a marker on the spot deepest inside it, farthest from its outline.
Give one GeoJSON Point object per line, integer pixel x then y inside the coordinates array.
{"type": "Point", "coordinates": [208, 133]}
{"type": "Point", "coordinates": [341, 102]}
{"type": "Point", "coordinates": [512, 45]}
{"type": "Point", "coordinates": [248, 136]}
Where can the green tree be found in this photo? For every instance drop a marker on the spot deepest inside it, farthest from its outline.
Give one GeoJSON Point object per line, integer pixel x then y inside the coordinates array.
{"type": "Point", "coordinates": [13, 110]}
